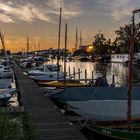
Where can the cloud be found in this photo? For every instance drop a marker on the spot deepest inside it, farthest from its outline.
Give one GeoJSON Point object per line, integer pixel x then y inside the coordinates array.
{"type": "Point", "coordinates": [5, 18]}
{"type": "Point", "coordinates": [70, 8]}
{"type": "Point", "coordinates": [117, 9]}
{"type": "Point", "coordinates": [29, 11]}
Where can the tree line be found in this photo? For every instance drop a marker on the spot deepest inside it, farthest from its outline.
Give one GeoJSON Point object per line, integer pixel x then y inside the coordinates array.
{"type": "Point", "coordinates": [121, 42]}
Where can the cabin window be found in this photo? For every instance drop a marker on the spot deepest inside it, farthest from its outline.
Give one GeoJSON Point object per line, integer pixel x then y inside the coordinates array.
{"type": "Point", "coordinates": [51, 76]}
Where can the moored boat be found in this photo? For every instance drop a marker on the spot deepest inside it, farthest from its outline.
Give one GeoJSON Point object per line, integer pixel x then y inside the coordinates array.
{"type": "Point", "coordinates": [115, 131]}
{"type": "Point", "coordinates": [62, 83]}
{"type": "Point", "coordinates": [5, 95]}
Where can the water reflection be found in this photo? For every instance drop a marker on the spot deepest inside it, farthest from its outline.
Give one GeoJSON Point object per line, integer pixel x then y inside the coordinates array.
{"type": "Point", "coordinates": [119, 70]}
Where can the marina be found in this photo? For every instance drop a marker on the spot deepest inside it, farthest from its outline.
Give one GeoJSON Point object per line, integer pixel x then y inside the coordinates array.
{"type": "Point", "coordinates": [65, 75]}
{"type": "Point", "coordinates": [33, 101]}
{"type": "Point", "coordinates": [119, 71]}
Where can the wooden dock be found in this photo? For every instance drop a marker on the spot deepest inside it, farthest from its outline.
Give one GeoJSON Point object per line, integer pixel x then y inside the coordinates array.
{"type": "Point", "coordinates": [49, 122]}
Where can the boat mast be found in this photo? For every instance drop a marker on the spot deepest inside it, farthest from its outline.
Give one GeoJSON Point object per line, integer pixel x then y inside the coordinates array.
{"type": "Point", "coordinates": [129, 117]}
{"type": "Point", "coordinates": [80, 38]}
{"type": "Point", "coordinates": [3, 44]}
{"type": "Point", "coordinates": [76, 39]}
{"type": "Point", "coordinates": [27, 45]}
{"type": "Point", "coordinates": [65, 55]}
{"type": "Point", "coordinates": [59, 35]}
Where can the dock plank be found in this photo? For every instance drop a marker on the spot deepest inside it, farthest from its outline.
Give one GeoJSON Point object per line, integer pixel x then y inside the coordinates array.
{"type": "Point", "coordinates": [49, 122]}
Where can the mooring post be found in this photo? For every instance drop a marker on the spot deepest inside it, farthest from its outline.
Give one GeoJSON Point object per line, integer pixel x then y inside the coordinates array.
{"type": "Point", "coordinates": [78, 73]}
{"type": "Point", "coordinates": [69, 71]}
{"type": "Point", "coordinates": [74, 72]}
{"type": "Point", "coordinates": [85, 76]}
{"type": "Point", "coordinates": [92, 79]}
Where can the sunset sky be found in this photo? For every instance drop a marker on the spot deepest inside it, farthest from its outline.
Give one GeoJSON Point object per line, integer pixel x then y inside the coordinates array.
{"type": "Point", "coordinates": [38, 19]}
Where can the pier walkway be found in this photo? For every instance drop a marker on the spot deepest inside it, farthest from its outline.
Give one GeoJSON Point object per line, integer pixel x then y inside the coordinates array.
{"type": "Point", "coordinates": [49, 122]}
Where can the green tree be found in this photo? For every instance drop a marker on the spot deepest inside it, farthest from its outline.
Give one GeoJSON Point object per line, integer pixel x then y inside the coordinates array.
{"type": "Point", "coordinates": [100, 43]}
{"type": "Point", "coordinates": [123, 38]}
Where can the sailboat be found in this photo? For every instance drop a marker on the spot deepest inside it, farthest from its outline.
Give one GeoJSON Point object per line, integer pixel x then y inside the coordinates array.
{"type": "Point", "coordinates": [122, 130]}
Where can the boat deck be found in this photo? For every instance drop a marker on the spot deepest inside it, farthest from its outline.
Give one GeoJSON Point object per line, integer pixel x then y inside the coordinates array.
{"type": "Point", "coordinates": [49, 122]}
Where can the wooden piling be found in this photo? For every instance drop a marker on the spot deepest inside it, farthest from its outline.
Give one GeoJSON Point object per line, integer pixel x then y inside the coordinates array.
{"type": "Point", "coordinates": [78, 73]}
{"type": "Point", "coordinates": [85, 76]}
{"type": "Point", "coordinates": [74, 72]}
{"type": "Point", "coordinates": [69, 71]}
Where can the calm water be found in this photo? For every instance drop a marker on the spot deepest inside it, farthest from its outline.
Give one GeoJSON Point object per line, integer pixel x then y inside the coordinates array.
{"type": "Point", "coordinates": [119, 70]}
